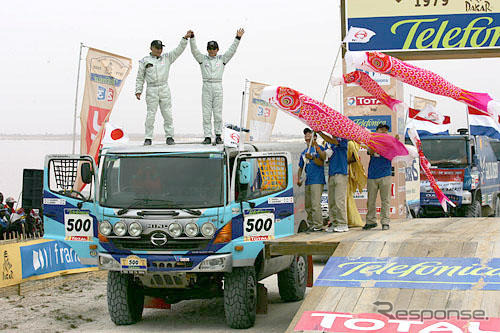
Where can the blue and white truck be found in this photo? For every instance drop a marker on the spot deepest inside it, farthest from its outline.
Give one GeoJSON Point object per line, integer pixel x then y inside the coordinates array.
{"type": "Point", "coordinates": [466, 168]}
{"type": "Point", "coordinates": [179, 222]}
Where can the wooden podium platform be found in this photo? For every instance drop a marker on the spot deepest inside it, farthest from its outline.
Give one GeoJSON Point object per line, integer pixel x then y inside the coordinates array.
{"type": "Point", "coordinates": [445, 238]}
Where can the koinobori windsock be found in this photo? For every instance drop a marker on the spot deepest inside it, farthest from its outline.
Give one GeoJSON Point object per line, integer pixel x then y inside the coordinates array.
{"type": "Point", "coordinates": [321, 117]}
{"type": "Point", "coordinates": [421, 78]}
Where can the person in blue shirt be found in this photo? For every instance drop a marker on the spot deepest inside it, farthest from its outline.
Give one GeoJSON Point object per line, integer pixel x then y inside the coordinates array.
{"type": "Point", "coordinates": [379, 179]}
{"type": "Point", "coordinates": [312, 159]}
{"type": "Point", "coordinates": [336, 151]}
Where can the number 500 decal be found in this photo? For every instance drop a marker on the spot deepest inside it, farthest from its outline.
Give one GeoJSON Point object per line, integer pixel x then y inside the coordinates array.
{"type": "Point", "coordinates": [258, 226]}
{"type": "Point", "coordinates": [78, 225]}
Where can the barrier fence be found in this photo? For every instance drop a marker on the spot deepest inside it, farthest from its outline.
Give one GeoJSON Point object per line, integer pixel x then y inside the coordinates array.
{"type": "Point", "coordinates": [24, 260]}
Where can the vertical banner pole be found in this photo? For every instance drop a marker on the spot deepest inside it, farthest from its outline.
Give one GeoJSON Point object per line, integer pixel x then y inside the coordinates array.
{"type": "Point", "coordinates": [76, 96]}
{"type": "Point", "coordinates": [242, 116]}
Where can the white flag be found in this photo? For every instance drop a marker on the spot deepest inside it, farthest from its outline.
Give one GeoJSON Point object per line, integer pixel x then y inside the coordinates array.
{"type": "Point", "coordinates": [358, 35]}
{"type": "Point", "coordinates": [113, 136]}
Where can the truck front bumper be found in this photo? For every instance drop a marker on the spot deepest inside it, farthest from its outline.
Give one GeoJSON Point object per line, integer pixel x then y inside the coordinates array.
{"type": "Point", "coordinates": [184, 263]}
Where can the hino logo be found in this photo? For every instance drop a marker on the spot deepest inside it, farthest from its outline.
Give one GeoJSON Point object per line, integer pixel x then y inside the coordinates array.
{"type": "Point", "coordinates": [157, 226]}
{"type": "Point", "coordinates": [159, 239]}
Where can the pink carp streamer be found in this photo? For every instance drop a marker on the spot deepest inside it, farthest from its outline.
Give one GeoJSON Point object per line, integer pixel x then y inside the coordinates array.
{"type": "Point", "coordinates": [425, 164]}
{"type": "Point", "coordinates": [321, 117]}
{"type": "Point", "coordinates": [421, 78]}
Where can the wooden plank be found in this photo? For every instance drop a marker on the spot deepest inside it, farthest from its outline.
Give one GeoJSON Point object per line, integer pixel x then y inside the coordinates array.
{"type": "Point", "coordinates": [438, 299]}
{"type": "Point", "coordinates": [420, 299]}
{"type": "Point", "coordinates": [330, 299]}
{"type": "Point", "coordinates": [456, 300]}
{"type": "Point", "coordinates": [309, 304]}
{"type": "Point", "coordinates": [343, 249]}
{"type": "Point", "coordinates": [390, 249]}
{"type": "Point", "coordinates": [365, 301]}
{"type": "Point", "coordinates": [403, 299]}
{"type": "Point", "coordinates": [349, 300]}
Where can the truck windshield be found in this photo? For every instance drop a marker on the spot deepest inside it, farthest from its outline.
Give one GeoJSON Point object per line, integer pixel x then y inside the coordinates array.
{"type": "Point", "coordinates": [162, 181]}
{"type": "Point", "coordinates": [445, 151]}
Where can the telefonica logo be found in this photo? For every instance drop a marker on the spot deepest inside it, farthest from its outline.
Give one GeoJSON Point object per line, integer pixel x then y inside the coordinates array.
{"type": "Point", "coordinates": [424, 33]}
{"type": "Point", "coordinates": [368, 122]}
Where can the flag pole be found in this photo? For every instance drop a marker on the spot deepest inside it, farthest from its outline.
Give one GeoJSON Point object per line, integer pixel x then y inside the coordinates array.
{"type": "Point", "coordinates": [76, 96]}
{"type": "Point", "coordinates": [242, 116]}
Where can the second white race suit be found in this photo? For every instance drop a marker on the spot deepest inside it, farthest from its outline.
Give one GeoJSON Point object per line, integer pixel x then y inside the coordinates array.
{"type": "Point", "coordinates": [155, 70]}
{"type": "Point", "coordinates": [212, 69]}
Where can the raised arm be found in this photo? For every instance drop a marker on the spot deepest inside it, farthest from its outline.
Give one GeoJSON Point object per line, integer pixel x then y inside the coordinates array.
{"type": "Point", "coordinates": [198, 56]}
{"type": "Point", "coordinates": [175, 53]}
{"type": "Point", "coordinates": [232, 49]}
{"type": "Point", "coordinates": [328, 138]}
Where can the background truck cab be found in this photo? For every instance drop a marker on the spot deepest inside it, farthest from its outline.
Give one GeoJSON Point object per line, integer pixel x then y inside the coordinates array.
{"type": "Point", "coordinates": [466, 169]}
{"type": "Point", "coordinates": [178, 222]}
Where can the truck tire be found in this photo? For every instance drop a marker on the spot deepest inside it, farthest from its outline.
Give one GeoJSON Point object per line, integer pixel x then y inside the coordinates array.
{"type": "Point", "coordinates": [473, 210]}
{"type": "Point", "coordinates": [125, 299]}
{"type": "Point", "coordinates": [292, 281]}
{"type": "Point", "coordinates": [497, 208]}
{"type": "Point", "coordinates": [240, 297]}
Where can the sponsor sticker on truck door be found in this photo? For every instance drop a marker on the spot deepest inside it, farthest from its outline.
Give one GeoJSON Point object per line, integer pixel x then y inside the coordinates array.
{"type": "Point", "coordinates": [258, 224]}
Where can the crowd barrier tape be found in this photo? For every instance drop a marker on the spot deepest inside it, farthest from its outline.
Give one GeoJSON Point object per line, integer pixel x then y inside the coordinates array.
{"type": "Point", "coordinates": [37, 260]}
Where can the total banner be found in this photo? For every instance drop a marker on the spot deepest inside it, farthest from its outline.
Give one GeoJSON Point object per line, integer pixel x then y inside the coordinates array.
{"type": "Point", "coordinates": [261, 115]}
{"type": "Point", "coordinates": [38, 259]}
{"type": "Point", "coordinates": [105, 75]}
{"type": "Point", "coordinates": [322, 321]}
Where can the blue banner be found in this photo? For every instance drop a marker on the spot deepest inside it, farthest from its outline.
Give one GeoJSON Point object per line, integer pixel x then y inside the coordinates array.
{"type": "Point", "coordinates": [371, 122]}
{"type": "Point", "coordinates": [48, 257]}
{"type": "Point", "coordinates": [429, 32]}
{"type": "Point", "coordinates": [411, 273]}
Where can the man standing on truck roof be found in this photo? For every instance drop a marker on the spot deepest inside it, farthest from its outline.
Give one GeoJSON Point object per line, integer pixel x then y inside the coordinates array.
{"type": "Point", "coordinates": [338, 178]}
{"type": "Point", "coordinates": [212, 67]}
{"type": "Point", "coordinates": [315, 179]}
{"type": "Point", "coordinates": [379, 179]}
{"type": "Point", "coordinates": [154, 69]}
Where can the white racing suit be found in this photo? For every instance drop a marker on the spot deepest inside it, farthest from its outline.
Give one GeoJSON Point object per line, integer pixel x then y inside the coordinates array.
{"type": "Point", "coordinates": [212, 69]}
{"type": "Point", "coordinates": [155, 71]}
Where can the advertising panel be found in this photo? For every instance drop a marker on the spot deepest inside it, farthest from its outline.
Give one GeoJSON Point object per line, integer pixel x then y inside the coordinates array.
{"type": "Point", "coordinates": [450, 181]}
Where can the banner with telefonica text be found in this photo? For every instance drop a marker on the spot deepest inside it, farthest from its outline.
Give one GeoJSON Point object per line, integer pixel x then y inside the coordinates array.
{"type": "Point", "coordinates": [105, 76]}
{"type": "Point", "coordinates": [416, 25]}
{"type": "Point", "coordinates": [261, 116]}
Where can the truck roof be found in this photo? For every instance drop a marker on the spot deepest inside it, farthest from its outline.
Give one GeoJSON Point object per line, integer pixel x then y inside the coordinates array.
{"type": "Point", "coordinates": [177, 148]}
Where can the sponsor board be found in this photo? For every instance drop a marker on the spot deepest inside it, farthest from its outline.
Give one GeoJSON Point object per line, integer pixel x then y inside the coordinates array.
{"type": "Point", "coordinates": [411, 273]}
{"type": "Point", "coordinates": [362, 100]}
{"type": "Point", "coordinates": [258, 224]}
{"type": "Point", "coordinates": [371, 122]}
{"type": "Point", "coordinates": [321, 321]}
{"type": "Point", "coordinates": [10, 265]}
{"type": "Point", "coordinates": [450, 181]}
{"type": "Point", "coordinates": [280, 200]}
{"type": "Point", "coordinates": [48, 257]}
{"type": "Point", "coordinates": [54, 201]}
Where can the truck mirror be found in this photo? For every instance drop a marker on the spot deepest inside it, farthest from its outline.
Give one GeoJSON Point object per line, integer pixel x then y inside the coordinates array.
{"type": "Point", "coordinates": [86, 173]}
{"type": "Point", "coordinates": [245, 173]}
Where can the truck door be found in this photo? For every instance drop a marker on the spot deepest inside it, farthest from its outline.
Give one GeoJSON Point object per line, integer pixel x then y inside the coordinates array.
{"type": "Point", "coordinates": [263, 196]}
{"type": "Point", "coordinates": [69, 204]}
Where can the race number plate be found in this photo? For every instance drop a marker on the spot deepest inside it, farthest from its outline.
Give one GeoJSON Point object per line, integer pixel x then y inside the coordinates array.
{"type": "Point", "coordinates": [78, 225]}
{"type": "Point", "coordinates": [133, 263]}
{"type": "Point", "coordinates": [258, 225]}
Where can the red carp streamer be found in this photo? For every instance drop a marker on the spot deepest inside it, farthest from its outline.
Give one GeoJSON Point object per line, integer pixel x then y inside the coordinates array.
{"type": "Point", "coordinates": [425, 164]}
{"type": "Point", "coordinates": [321, 117]}
{"type": "Point", "coordinates": [421, 78]}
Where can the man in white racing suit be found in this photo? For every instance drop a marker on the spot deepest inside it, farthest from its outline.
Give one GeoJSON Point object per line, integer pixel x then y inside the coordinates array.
{"type": "Point", "coordinates": [154, 69]}
{"type": "Point", "coordinates": [212, 67]}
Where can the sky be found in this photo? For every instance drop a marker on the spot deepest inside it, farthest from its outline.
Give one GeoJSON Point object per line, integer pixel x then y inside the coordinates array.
{"type": "Point", "coordinates": [291, 43]}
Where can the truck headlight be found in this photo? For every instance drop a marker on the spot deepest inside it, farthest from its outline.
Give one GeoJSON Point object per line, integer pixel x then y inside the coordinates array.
{"type": "Point", "coordinates": [120, 228]}
{"type": "Point", "coordinates": [191, 229]}
{"type": "Point", "coordinates": [135, 229]}
{"type": "Point", "coordinates": [208, 229]}
{"type": "Point", "coordinates": [174, 229]}
{"type": "Point", "coordinates": [105, 228]}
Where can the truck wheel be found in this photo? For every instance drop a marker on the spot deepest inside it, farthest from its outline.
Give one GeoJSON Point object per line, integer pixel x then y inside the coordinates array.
{"type": "Point", "coordinates": [240, 297]}
{"type": "Point", "coordinates": [125, 299]}
{"type": "Point", "coordinates": [474, 209]}
{"type": "Point", "coordinates": [497, 208]}
{"type": "Point", "coordinates": [292, 281]}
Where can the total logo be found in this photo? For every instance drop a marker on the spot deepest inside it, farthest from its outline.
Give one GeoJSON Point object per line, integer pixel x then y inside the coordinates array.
{"type": "Point", "coordinates": [362, 101]}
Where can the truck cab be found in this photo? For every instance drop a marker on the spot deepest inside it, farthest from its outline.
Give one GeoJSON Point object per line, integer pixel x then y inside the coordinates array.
{"type": "Point", "coordinates": [466, 169]}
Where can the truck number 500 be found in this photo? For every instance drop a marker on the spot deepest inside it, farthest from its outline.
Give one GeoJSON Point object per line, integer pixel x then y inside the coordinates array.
{"type": "Point", "coordinates": [79, 225]}
{"type": "Point", "coordinates": [258, 225]}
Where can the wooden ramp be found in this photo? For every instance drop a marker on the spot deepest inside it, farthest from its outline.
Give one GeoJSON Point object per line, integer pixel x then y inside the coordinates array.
{"type": "Point", "coordinates": [433, 238]}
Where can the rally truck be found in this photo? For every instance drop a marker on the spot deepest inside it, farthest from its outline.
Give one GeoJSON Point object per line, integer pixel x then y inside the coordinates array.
{"type": "Point", "coordinates": [179, 222]}
{"type": "Point", "coordinates": [466, 169]}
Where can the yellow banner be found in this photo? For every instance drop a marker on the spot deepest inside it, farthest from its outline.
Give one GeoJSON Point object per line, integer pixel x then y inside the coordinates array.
{"type": "Point", "coordinates": [366, 8]}
{"type": "Point", "coordinates": [11, 265]}
{"type": "Point", "coordinates": [261, 115]}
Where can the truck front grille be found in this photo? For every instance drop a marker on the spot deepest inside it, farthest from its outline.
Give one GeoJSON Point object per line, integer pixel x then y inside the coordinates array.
{"type": "Point", "coordinates": [144, 243]}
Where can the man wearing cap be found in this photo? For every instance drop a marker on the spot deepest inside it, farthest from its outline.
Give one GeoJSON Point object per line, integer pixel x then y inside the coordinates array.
{"type": "Point", "coordinates": [10, 201]}
{"type": "Point", "coordinates": [212, 67]}
{"type": "Point", "coordinates": [154, 69]}
{"type": "Point", "coordinates": [379, 179]}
